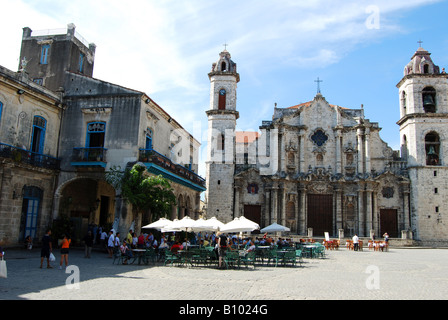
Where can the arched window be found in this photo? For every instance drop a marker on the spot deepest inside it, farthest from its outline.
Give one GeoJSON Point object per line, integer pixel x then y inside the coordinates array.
{"type": "Point", "coordinates": [222, 99]}
{"type": "Point", "coordinates": [432, 149]}
{"type": "Point", "coordinates": [223, 66]}
{"type": "Point", "coordinates": [426, 69]}
{"type": "Point", "coordinates": [221, 141]}
{"type": "Point", "coordinates": [404, 148]}
{"type": "Point", "coordinates": [429, 100]}
{"type": "Point", "coordinates": [404, 101]}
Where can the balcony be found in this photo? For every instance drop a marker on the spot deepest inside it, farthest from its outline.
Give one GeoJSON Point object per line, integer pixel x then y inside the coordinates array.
{"type": "Point", "coordinates": [20, 155]}
{"type": "Point", "coordinates": [90, 157]}
{"type": "Point", "coordinates": [159, 164]}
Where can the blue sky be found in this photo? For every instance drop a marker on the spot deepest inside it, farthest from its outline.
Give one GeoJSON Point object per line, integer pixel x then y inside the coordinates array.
{"type": "Point", "coordinates": [166, 49]}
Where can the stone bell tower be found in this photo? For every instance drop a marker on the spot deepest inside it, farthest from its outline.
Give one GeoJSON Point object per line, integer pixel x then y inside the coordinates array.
{"type": "Point", "coordinates": [423, 93]}
{"type": "Point", "coordinates": [222, 116]}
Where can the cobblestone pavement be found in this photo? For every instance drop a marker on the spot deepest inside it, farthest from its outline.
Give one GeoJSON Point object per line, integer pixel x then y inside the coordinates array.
{"type": "Point", "coordinates": [341, 275]}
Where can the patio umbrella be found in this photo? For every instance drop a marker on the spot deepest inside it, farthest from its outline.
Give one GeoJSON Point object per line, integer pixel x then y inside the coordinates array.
{"type": "Point", "coordinates": [185, 224]}
{"type": "Point", "coordinates": [240, 224]}
{"type": "Point", "coordinates": [275, 227]}
{"type": "Point", "coordinates": [159, 224]}
{"type": "Point", "coordinates": [211, 224]}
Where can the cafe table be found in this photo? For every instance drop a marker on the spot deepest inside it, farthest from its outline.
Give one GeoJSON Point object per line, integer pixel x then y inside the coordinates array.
{"type": "Point", "coordinates": [138, 254]}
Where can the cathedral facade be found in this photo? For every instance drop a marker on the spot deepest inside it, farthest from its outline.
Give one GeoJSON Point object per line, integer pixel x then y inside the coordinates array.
{"type": "Point", "coordinates": [318, 167]}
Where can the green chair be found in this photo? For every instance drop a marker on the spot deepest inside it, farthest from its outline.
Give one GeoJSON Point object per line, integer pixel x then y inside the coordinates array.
{"type": "Point", "coordinates": [231, 258]}
{"type": "Point", "coordinates": [150, 254]}
{"type": "Point", "coordinates": [198, 256]}
{"type": "Point", "coordinates": [289, 257]}
{"type": "Point", "coordinates": [299, 257]}
{"type": "Point", "coordinates": [248, 259]}
{"type": "Point", "coordinates": [118, 256]}
{"type": "Point", "coordinates": [319, 251]}
{"type": "Point", "coordinates": [273, 255]}
{"type": "Point", "coordinates": [170, 257]}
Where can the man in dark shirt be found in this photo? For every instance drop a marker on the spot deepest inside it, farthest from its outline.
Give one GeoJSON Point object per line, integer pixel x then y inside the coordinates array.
{"type": "Point", "coordinates": [46, 249]}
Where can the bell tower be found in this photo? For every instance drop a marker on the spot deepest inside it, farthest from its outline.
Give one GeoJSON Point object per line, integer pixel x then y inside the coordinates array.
{"type": "Point", "coordinates": [222, 116]}
{"type": "Point", "coordinates": [423, 94]}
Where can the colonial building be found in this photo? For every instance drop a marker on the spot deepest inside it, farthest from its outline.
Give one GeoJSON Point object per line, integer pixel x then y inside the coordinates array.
{"type": "Point", "coordinates": [61, 130]}
{"type": "Point", "coordinates": [318, 167]}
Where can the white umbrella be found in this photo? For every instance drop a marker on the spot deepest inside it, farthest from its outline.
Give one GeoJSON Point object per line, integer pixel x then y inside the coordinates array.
{"type": "Point", "coordinates": [159, 224]}
{"type": "Point", "coordinates": [185, 224]}
{"type": "Point", "coordinates": [240, 224]}
{"type": "Point", "coordinates": [211, 224]}
{"type": "Point", "coordinates": [275, 227]}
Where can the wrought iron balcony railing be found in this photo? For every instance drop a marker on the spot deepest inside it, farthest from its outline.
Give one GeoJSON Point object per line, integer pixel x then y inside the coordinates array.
{"type": "Point", "coordinates": [20, 155]}
{"type": "Point", "coordinates": [89, 155]}
{"type": "Point", "coordinates": [152, 156]}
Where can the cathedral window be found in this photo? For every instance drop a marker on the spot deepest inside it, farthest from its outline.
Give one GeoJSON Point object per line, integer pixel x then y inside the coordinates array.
{"type": "Point", "coordinates": [319, 138]}
{"type": "Point", "coordinates": [429, 100]}
{"type": "Point", "coordinates": [223, 66]}
{"type": "Point", "coordinates": [221, 142]}
{"type": "Point", "coordinates": [222, 99]}
{"type": "Point", "coordinates": [252, 188]}
{"type": "Point", "coordinates": [432, 148]}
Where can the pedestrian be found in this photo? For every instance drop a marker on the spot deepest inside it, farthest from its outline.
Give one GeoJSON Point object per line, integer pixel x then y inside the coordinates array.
{"type": "Point", "coordinates": [117, 241]}
{"type": "Point", "coordinates": [65, 244]}
{"type": "Point", "coordinates": [355, 242]}
{"type": "Point", "coordinates": [111, 243]}
{"type": "Point", "coordinates": [88, 244]}
{"type": "Point", "coordinates": [47, 249]}
{"type": "Point", "coordinates": [222, 248]}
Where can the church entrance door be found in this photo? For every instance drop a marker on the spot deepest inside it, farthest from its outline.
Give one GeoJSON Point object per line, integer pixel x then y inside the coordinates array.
{"type": "Point", "coordinates": [320, 213]}
{"type": "Point", "coordinates": [253, 213]}
{"type": "Point", "coordinates": [389, 222]}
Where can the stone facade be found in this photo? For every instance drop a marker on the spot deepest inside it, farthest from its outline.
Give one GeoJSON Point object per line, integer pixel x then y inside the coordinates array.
{"type": "Point", "coordinates": [318, 167]}
{"type": "Point", "coordinates": [79, 127]}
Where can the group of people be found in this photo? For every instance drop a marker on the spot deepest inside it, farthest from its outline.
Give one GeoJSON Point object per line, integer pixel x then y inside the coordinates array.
{"type": "Point", "coordinates": [47, 249]}
{"type": "Point", "coordinates": [355, 240]}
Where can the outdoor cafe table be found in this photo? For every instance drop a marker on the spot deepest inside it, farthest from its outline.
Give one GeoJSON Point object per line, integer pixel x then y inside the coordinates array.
{"type": "Point", "coordinates": [185, 256]}
{"type": "Point", "coordinates": [139, 253]}
{"type": "Point", "coordinates": [311, 247]}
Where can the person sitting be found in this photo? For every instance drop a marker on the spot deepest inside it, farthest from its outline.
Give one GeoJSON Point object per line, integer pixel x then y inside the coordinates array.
{"type": "Point", "coordinates": [176, 247]}
{"type": "Point", "coordinates": [126, 252]}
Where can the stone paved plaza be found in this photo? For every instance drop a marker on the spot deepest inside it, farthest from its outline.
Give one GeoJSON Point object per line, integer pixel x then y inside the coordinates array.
{"type": "Point", "coordinates": [413, 273]}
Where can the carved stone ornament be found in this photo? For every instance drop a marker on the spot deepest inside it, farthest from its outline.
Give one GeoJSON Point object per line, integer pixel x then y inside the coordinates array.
{"type": "Point", "coordinates": [388, 192]}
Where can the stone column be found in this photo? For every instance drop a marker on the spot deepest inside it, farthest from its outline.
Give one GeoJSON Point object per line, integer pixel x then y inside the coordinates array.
{"type": "Point", "coordinates": [360, 212]}
{"type": "Point", "coordinates": [367, 151]}
{"type": "Point", "coordinates": [274, 206]}
{"type": "Point", "coordinates": [237, 201]}
{"type": "Point", "coordinates": [369, 223]}
{"type": "Point", "coordinates": [302, 210]}
{"type": "Point", "coordinates": [338, 209]}
{"type": "Point", "coordinates": [302, 154]}
{"type": "Point", "coordinates": [360, 151]}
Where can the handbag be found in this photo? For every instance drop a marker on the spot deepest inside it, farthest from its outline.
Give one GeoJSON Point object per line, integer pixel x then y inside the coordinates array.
{"type": "Point", "coordinates": [52, 257]}
{"type": "Point", "coordinates": [3, 269]}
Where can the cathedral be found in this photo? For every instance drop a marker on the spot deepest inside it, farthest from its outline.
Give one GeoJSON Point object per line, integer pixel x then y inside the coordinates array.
{"type": "Point", "coordinates": [317, 167]}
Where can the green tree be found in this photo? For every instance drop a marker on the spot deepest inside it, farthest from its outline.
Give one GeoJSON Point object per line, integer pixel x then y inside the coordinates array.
{"type": "Point", "coordinates": [142, 190]}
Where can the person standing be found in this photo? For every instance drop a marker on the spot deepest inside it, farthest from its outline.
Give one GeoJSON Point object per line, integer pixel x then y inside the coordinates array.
{"type": "Point", "coordinates": [222, 249]}
{"type": "Point", "coordinates": [88, 244]}
{"type": "Point", "coordinates": [46, 249]}
{"type": "Point", "coordinates": [65, 244]}
{"type": "Point", "coordinates": [111, 243]}
{"type": "Point", "coordinates": [355, 242]}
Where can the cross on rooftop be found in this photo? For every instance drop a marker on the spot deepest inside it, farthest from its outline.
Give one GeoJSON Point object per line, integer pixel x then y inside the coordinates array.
{"type": "Point", "coordinates": [225, 46]}
{"type": "Point", "coordinates": [420, 43]}
{"type": "Point", "coordinates": [318, 84]}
